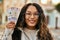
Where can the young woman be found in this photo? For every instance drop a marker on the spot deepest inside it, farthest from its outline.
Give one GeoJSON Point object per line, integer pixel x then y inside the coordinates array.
{"type": "Point", "coordinates": [31, 24]}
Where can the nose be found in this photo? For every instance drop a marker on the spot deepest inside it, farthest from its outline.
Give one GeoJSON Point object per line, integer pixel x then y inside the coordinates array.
{"type": "Point", "coordinates": [32, 16]}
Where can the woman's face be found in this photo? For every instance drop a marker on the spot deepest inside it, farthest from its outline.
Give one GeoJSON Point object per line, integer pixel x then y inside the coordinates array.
{"type": "Point", "coordinates": [31, 17]}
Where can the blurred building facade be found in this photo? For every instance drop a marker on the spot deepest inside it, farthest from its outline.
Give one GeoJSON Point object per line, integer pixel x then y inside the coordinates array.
{"type": "Point", "coordinates": [53, 18]}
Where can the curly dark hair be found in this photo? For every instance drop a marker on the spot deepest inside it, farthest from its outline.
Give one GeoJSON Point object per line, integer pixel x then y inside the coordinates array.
{"type": "Point", "coordinates": [43, 33]}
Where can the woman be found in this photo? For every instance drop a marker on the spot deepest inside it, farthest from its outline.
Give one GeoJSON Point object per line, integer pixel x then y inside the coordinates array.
{"type": "Point", "coordinates": [31, 24]}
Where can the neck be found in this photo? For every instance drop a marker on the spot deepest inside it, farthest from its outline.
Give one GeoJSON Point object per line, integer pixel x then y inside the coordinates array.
{"type": "Point", "coordinates": [31, 28]}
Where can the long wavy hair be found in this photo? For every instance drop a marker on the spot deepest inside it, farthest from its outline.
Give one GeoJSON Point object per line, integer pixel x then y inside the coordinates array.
{"type": "Point", "coordinates": [43, 33]}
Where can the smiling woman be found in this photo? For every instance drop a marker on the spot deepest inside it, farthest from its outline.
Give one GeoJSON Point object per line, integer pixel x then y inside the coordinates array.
{"type": "Point", "coordinates": [31, 17]}
{"type": "Point", "coordinates": [31, 24]}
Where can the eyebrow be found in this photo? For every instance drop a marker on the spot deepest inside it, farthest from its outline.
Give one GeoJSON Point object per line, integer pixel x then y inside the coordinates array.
{"type": "Point", "coordinates": [28, 11]}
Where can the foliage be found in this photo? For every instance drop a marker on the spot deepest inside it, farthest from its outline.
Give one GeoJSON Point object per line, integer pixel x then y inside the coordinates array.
{"type": "Point", "coordinates": [57, 7]}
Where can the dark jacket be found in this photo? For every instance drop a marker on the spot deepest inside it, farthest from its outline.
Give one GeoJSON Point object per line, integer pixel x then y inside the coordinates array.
{"type": "Point", "coordinates": [16, 34]}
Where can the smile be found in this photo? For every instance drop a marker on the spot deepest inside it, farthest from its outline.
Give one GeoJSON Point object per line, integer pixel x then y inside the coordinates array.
{"type": "Point", "coordinates": [32, 21]}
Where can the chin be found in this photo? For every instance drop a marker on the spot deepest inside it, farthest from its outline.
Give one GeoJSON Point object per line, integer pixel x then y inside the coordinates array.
{"type": "Point", "coordinates": [31, 24]}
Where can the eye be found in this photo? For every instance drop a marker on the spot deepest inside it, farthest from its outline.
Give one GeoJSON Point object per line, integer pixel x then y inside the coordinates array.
{"type": "Point", "coordinates": [28, 13]}
{"type": "Point", "coordinates": [36, 13]}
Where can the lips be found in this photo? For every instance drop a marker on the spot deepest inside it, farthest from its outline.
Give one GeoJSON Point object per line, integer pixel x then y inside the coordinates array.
{"type": "Point", "coordinates": [32, 21]}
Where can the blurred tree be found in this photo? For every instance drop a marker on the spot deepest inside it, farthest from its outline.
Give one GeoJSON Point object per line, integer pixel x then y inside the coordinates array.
{"type": "Point", "coordinates": [57, 7]}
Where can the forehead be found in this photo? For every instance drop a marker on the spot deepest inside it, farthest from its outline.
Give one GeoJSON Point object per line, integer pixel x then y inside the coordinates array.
{"type": "Point", "coordinates": [31, 8]}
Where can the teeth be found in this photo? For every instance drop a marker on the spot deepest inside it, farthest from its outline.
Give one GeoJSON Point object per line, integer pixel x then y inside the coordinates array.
{"type": "Point", "coordinates": [31, 21]}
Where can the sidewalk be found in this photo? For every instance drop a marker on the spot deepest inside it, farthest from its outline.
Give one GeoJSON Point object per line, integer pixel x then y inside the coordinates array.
{"type": "Point", "coordinates": [56, 34]}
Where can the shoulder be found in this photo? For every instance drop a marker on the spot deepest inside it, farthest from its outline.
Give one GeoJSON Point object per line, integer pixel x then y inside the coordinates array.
{"type": "Point", "coordinates": [16, 30]}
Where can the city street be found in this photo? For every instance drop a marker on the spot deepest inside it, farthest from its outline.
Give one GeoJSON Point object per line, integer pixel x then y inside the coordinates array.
{"type": "Point", "coordinates": [44, 11]}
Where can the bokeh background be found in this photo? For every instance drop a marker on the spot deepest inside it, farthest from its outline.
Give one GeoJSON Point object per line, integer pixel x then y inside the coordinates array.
{"type": "Point", "coordinates": [51, 10]}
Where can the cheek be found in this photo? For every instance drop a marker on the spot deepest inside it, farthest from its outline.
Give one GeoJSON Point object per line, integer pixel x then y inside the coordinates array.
{"type": "Point", "coordinates": [26, 19]}
{"type": "Point", "coordinates": [36, 20]}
